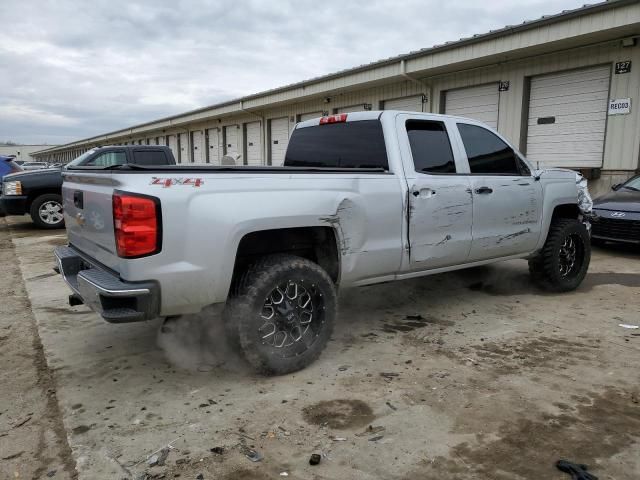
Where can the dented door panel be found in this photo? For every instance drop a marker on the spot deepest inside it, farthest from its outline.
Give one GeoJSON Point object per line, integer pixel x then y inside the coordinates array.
{"type": "Point", "coordinates": [440, 216]}
{"type": "Point", "coordinates": [507, 220]}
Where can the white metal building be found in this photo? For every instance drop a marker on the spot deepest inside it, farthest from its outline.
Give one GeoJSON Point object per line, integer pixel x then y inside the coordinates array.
{"type": "Point", "coordinates": [564, 88]}
{"type": "Point", "coordinates": [22, 152]}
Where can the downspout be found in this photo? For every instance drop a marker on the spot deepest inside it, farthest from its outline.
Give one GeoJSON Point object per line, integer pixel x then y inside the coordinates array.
{"type": "Point", "coordinates": [426, 88]}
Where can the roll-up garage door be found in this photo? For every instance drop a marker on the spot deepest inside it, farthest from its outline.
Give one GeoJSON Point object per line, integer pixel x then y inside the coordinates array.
{"type": "Point", "coordinates": [184, 148]}
{"type": "Point", "coordinates": [411, 104]}
{"type": "Point", "coordinates": [279, 138]}
{"type": "Point", "coordinates": [253, 144]}
{"type": "Point", "coordinates": [215, 145]}
{"type": "Point", "coordinates": [231, 146]}
{"type": "Point", "coordinates": [309, 116]}
{"type": "Point", "coordinates": [198, 154]}
{"type": "Point", "coordinates": [567, 118]}
{"type": "Point", "coordinates": [173, 145]}
{"type": "Point", "coordinates": [479, 103]}
{"type": "Point", "coordinates": [352, 108]}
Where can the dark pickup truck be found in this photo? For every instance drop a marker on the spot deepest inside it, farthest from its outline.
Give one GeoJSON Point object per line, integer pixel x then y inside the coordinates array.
{"type": "Point", "coordinates": [39, 192]}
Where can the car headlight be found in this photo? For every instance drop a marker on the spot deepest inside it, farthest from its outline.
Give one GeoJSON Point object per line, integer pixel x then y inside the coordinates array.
{"type": "Point", "coordinates": [12, 188]}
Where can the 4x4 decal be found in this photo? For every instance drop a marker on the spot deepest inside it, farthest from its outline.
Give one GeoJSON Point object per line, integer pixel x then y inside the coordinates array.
{"type": "Point", "coordinates": [167, 182]}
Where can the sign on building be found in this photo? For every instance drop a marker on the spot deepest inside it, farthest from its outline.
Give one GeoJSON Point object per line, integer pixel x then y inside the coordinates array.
{"type": "Point", "coordinates": [619, 106]}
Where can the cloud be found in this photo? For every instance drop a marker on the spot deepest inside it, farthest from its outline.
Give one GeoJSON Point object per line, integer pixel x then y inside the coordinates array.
{"type": "Point", "coordinates": [72, 69]}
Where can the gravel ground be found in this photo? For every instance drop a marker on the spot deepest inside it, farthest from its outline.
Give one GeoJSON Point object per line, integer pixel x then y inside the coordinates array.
{"type": "Point", "coordinates": [468, 375]}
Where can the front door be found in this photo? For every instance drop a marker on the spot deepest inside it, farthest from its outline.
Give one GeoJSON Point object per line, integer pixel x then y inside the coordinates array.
{"type": "Point", "coordinates": [507, 208]}
{"type": "Point", "coordinates": [440, 202]}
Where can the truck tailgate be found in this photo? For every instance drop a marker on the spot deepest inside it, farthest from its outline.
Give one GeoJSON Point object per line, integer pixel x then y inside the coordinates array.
{"type": "Point", "coordinates": [88, 212]}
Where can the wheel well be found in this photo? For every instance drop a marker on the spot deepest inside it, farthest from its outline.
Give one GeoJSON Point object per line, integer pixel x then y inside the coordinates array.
{"type": "Point", "coordinates": [35, 194]}
{"type": "Point", "coordinates": [569, 210]}
{"type": "Point", "coordinates": [317, 244]}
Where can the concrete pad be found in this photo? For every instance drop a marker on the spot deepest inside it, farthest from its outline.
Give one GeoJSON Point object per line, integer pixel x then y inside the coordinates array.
{"type": "Point", "coordinates": [495, 379]}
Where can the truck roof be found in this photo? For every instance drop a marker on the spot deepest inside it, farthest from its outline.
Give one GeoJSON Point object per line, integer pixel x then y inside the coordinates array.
{"type": "Point", "coordinates": [130, 147]}
{"type": "Point", "coordinates": [373, 115]}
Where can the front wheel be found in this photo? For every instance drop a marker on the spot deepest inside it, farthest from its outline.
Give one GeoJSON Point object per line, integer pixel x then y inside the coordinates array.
{"type": "Point", "coordinates": [282, 313]}
{"type": "Point", "coordinates": [564, 260]}
{"type": "Point", "coordinates": [46, 211]}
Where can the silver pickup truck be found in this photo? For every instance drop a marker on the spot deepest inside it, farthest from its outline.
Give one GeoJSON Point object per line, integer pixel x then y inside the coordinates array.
{"type": "Point", "coordinates": [362, 198]}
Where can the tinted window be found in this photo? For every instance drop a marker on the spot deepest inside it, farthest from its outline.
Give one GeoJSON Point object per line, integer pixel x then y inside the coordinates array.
{"type": "Point", "coordinates": [487, 153]}
{"type": "Point", "coordinates": [149, 157]}
{"type": "Point", "coordinates": [107, 159]}
{"type": "Point", "coordinates": [430, 147]}
{"type": "Point", "coordinates": [344, 145]}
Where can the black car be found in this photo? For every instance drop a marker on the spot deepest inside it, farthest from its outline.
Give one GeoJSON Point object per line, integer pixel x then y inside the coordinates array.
{"type": "Point", "coordinates": [39, 192]}
{"type": "Point", "coordinates": [7, 165]}
{"type": "Point", "coordinates": [617, 214]}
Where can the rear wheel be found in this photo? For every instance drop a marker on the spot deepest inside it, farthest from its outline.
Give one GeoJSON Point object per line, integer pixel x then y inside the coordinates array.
{"type": "Point", "coordinates": [564, 260]}
{"type": "Point", "coordinates": [282, 313]}
{"type": "Point", "coordinates": [46, 211]}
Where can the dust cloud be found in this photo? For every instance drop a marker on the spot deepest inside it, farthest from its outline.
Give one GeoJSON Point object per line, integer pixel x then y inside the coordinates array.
{"type": "Point", "coordinates": [198, 343]}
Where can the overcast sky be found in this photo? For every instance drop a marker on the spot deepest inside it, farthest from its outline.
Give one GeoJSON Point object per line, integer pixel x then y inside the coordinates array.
{"type": "Point", "coordinates": [73, 69]}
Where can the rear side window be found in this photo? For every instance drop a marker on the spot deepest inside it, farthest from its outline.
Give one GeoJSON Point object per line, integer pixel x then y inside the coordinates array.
{"type": "Point", "coordinates": [344, 145]}
{"type": "Point", "coordinates": [487, 153]}
{"type": "Point", "coordinates": [149, 157]}
{"type": "Point", "coordinates": [108, 159]}
{"type": "Point", "coordinates": [430, 147]}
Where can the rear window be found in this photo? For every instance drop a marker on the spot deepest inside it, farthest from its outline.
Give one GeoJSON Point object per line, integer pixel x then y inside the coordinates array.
{"type": "Point", "coordinates": [343, 145]}
{"type": "Point", "coordinates": [149, 157]}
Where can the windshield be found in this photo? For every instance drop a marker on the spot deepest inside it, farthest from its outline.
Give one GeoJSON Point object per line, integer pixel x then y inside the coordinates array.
{"type": "Point", "coordinates": [633, 184]}
{"type": "Point", "coordinates": [78, 160]}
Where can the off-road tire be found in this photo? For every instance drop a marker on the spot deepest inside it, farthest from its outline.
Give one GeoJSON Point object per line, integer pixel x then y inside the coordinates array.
{"type": "Point", "coordinates": [34, 211]}
{"type": "Point", "coordinates": [545, 268]}
{"type": "Point", "coordinates": [242, 315]}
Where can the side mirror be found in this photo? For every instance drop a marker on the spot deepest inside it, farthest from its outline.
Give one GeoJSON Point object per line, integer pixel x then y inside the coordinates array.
{"type": "Point", "coordinates": [616, 186]}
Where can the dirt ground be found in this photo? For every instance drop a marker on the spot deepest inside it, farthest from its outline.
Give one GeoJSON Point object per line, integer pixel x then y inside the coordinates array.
{"type": "Point", "coordinates": [468, 375]}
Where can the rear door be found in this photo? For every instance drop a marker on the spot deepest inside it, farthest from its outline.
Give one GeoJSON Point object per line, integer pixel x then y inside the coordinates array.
{"type": "Point", "coordinates": [278, 139]}
{"type": "Point", "coordinates": [440, 203]}
{"type": "Point", "coordinates": [253, 147]}
{"type": "Point", "coordinates": [507, 200]}
{"type": "Point", "coordinates": [478, 102]}
{"type": "Point", "coordinates": [198, 152]}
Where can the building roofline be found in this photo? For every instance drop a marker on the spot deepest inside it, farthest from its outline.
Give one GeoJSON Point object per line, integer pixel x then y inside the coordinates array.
{"type": "Point", "coordinates": [477, 38]}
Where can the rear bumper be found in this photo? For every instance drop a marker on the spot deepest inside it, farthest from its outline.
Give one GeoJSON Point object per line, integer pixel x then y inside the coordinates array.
{"type": "Point", "coordinates": [105, 293]}
{"type": "Point", "coordinates": [14, 204]}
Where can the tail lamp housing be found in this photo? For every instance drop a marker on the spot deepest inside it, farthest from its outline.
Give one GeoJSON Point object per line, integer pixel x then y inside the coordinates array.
{"type": "Point", "coordinates": [137, 224]}
{"type": "Point", "coordinates": [339, 118]}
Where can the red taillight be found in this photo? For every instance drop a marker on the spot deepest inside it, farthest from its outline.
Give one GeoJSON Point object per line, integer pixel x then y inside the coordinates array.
{"type": "Point", "coordinates": [342, 117]}
{"type": "Point", "coordinates": [136, 225]}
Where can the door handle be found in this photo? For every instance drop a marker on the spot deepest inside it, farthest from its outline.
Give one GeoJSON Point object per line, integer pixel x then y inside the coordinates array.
{"type": "Point", "coordinates": [78, 199]}
{"type": "Point", "coordinates": [425, 192]}
{"type": "Point", "coordinates": [484, 190]}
